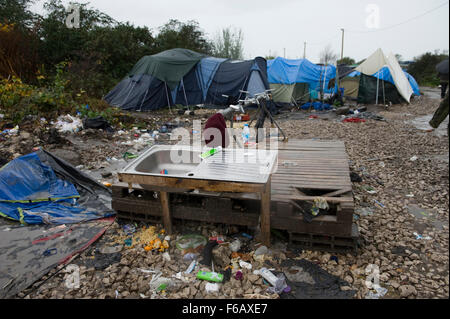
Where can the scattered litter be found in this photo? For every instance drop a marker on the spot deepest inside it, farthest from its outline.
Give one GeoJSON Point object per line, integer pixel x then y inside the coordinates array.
{"type": "Point", "coordinates": [210, 276]}
{"type": "Point", "coordinates": [263, 250]}
{"type": "Point", "coordinates": [379, 204]}
{"type": "Point", "coordinates": [235, 245]}
{"type": "Point", "coordinates": [166, 256]}
{"type": "Point", "coordinates": [191, 267]}
{"type": "Point", "coordinates": [278, 282]}
{"type": "Point", "coordinates": [212, 287]}
{"type": "Point", "coordinates": [129, 229]}
{"type": "Point", "coordinates": [419, 237]}
{"type": "Point", "coordinates": [414, 158]}
{"type": "Point", "coordinates": [159, 283]}
{"type": "Point", "coordinates": [247, 235]}
{"type": "Point", "coordinates": [218, 239]}
{"type": "Point", "coordinates": [68, 123]}
{"type": "Point", "coordinates": [380, 292]}
{"type": "Point", "coordinates": [370, 190]}
{"type": "Point", "coordinates": [410, 195]}
{"type": "Point", "coordinates": [190, 256]}
{"type": "Point", "coordinates": [128, 242]}
{"type": "Point", "coordinates": [111, 250]}
{"type": "Point", "coordinates": [128, 155]}
{"type": "Point", "coordinates": [147, 271]}
{"type": "Point", "coordinates": [239, 275]}
{"type": "Point", "coordinates": [245, 265]}
{"type": "Point", "coordinates": [365, 211]}
{"type": "Point", "coordinates": [354, 120]}
{"type": "Point", "coordinates": [190, 242]}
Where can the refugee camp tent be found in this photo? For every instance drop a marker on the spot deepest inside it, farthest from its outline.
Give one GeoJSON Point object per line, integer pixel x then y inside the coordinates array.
{"type": "Point", "coordinates": [298, 80]}
{"type": "Point", "coordinates": [181, 76]}
{"type": "Point", "coordinates": [232, 77]}
{"type": "Point", "coordinates": [373, 70]}
{"type": "Point", "coordinates": [352, 83]}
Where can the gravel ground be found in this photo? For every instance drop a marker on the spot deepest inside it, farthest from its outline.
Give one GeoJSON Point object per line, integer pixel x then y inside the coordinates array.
{"type": "Point", "coordinates": [406, 236]}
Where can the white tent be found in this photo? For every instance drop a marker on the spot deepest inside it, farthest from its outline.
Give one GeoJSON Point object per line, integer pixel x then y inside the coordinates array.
{"type": "Point", "coordinates": [379, 60]}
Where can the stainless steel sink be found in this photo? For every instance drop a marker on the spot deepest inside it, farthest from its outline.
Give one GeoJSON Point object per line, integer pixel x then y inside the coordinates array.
{"type": "Point", "coordinates": [181, 161]}
{"type": "Point", "coordinates": [160, 160]}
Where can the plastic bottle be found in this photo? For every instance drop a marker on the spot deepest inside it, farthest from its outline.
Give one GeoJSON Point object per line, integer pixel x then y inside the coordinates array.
{"type": "Point", "coordinates": [279, 283]}
{"type": "Point", "coordinates": [246, 134]}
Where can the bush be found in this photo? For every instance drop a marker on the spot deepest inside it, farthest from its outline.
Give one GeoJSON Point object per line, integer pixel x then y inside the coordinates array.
{"type": "Point", "coordinates": [18, 99]}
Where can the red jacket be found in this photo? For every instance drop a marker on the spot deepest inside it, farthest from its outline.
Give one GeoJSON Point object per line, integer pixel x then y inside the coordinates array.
{"type": "Point", "coordinates": [217, 121]}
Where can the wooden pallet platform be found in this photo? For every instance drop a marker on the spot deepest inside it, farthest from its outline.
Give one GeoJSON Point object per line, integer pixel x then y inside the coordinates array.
{"type": "Point", "coordinates": [307, 169]}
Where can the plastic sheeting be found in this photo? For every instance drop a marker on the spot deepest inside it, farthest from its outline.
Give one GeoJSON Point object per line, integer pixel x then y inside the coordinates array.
{"type": "Point", "coordinates": [40, 188]}
{"type": "Point", "coordinates": [385, 75]}
{"type": "Point", "coordinates": [28, 253]}
{"type": "Point", "coordinates": [285, 71]}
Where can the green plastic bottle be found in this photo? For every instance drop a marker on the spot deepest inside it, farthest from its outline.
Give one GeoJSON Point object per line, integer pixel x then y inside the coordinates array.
{"type": "Point", "coordinates": [210, 276]}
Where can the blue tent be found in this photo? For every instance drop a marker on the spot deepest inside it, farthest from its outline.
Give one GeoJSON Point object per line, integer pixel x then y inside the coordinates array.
{"type": "Point", "coordinates": [194, 79]}
{"type": "Point", "coordinates": [40, 188]}
{"type": "Point", "coordinates": [298, 80]}
{"type": "Point", "coordinates": [285, 71]}
{"type": "Point", "coordinates": [235, 76]}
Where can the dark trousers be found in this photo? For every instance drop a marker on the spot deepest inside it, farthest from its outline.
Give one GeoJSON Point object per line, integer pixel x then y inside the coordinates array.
{"type": "Point", "coordinates": [444, 86]}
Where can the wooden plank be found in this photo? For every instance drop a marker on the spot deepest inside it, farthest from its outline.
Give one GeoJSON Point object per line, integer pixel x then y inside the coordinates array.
{"type": "Point", "coordinates": [167, 218]}
{"type": "Point", "coordinates": [333, 200]}
{"type": "Point", "coordinates": [265, 214]}
{"type": "Point", "coordinates": [206, 185]}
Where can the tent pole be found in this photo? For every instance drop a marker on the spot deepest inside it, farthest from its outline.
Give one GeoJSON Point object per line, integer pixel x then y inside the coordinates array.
{"type": "Point", "coordinates": [378, 85]}
{"type": "Point", "coordinates": [134, 84]}
{"type": "Point", "coordinates": [167, 96]}
{"type": "Point", "coordinates": [185, 97]}
{"type": "Point", "coordinates": [146, 92]}
{"type": "Point", "coordinates": [384, 95]}
{"type": "Point", "coordinates": [240, 93]}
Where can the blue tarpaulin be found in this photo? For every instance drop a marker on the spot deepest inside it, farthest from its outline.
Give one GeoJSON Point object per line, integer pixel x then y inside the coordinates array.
{"type": "Point", "coordinates": [285, 71]}
{"type": "Point", "coordinates": [385, 75]}
{"type": "Point", "coordinates": [32, 193]}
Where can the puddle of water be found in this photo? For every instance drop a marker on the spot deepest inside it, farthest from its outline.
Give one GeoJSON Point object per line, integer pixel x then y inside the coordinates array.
{"type": "Point", "coordinates": [422, 123]}
{"type": "Point", "coordinates": [425, 215]}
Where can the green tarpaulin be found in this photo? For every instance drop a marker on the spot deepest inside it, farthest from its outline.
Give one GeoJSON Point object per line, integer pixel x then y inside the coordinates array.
{"type": "Point", "coordinates": [168, 66]}
{"type": "Point", "coordinates": [387, 92]}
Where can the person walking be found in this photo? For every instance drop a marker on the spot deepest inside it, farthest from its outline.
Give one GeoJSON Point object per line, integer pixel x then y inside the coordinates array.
{"type": "Point", "coordinates": [441, 114]}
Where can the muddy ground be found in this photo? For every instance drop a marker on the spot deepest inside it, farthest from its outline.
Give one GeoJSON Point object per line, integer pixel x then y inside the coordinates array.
{"type": "Point", "coordinates": [404, 163]}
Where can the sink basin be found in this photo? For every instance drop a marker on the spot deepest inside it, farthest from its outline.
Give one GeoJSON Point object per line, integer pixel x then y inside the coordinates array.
{"type": "Point", "coordinates": [161, 159]}
{"type": "Point", "coordinates": [182, 161]}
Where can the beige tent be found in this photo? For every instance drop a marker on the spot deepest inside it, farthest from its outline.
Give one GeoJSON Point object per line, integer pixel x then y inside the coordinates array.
{"type": "Point", "coordinates": [377, 61]}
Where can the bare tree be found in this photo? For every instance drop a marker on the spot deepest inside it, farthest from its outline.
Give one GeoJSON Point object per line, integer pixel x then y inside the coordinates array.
{"type": "Point", "coordinates": [327, 56]}
{"type": "Point", "coordinates": [229, 44]}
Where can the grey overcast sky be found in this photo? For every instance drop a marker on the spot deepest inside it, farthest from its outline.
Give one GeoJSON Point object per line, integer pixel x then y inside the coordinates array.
{"type": "Point", "coordinates": [406, 27]}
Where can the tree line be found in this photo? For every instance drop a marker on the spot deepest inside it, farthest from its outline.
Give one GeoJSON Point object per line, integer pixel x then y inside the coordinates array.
{"type": "Point", "coordinates": [99, 51]}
